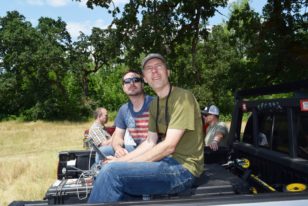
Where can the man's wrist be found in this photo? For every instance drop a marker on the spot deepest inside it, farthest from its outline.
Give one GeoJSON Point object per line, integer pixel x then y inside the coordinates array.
{"type": "Point", "coordinates": [118, 147]}
{"type": "Point", "coordinates": [216, 141]}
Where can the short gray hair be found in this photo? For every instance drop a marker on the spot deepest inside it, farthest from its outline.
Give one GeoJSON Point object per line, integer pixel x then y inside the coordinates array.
{"type": "Point", "coordinates": [98, 112]}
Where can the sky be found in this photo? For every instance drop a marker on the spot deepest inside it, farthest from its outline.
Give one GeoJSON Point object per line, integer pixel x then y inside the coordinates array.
{"type": "Point", "coordinates": [80, 18]}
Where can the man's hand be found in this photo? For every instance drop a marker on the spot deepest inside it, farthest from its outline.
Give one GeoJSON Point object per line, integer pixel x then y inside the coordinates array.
{"type": "Point", "coordinates": [109, 159]}
{"type": "Point", "coordinates": [107, 142]}
{"type": "Point", "coordinates": [218, 137]}
{"type": "Point", "coordinates": [120, 152]}
{"type": "Point", "coordinates": [214, 145]}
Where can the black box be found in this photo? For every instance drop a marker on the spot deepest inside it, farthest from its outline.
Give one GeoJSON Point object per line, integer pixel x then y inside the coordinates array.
{"type": "Point", "coordinates": [72, 163]}
{"type": "Point", "coordinates": [69, 191]}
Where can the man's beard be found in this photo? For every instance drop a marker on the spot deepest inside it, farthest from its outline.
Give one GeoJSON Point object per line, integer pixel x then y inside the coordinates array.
{"type": "Point", "coordinates": [137, 93]}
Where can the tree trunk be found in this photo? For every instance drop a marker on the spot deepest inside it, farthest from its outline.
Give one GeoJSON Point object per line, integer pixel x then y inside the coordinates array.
{"type": "Point", "coordinates": [194, 45]}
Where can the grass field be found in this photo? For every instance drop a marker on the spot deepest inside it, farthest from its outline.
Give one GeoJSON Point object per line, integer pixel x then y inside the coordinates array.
{"type": "Point", "coordinates": [29, 154]}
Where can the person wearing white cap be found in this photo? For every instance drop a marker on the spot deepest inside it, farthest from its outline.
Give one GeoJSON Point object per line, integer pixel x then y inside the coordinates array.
{"type": "Point", "coordinates": [216, 132]}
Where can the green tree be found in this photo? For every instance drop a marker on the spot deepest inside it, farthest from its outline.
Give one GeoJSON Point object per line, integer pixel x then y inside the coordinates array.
{"type": "Point", "coordinates": [273, 47]}
{"type": "Point", "coordinates": [161, 27]}
{"type": "Point", "coordinates": [34, 62]}
{"type": "Point", "coordinates": [244, 26]}
{"type": "Point", "coordinates": [51, 61]}
{"type": "Point", "coordinates": [106, 85]}
{"type": "Point", "coordinates": [91, 53]}
{"type": "Point", "coordinates": [18, 43]}
{"type": "Point", "coordinates": [216, 57]}
{"type": "Point", "coordinates": [284, 47]}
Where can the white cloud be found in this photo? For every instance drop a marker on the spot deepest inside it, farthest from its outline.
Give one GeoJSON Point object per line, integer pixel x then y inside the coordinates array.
{"type": "Point", "coordinates": [35, 2]}
{"type": "Point", "coordinates": [120, 2]}
{"type": "Point", "coordinates": [82, 3]}
{"type": "Point", "coordinates": [100, 24]}
{"type": "Point", "coordinates": [54, 3]}
{"type": "Point", "coordinates": [58, 3]}
{"type": "Point", "coordinates": [209, 28]}
{"type": "Point", "coordinates": [74, 28]}
{"type": "Point", "coordinates": [231, 1]}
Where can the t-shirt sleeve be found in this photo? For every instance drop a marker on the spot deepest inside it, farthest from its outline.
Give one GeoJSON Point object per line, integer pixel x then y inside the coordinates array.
{"type": "Point", "coordinates": [120, 118]}
{"type": "Point", "coordinates": [222, 128]}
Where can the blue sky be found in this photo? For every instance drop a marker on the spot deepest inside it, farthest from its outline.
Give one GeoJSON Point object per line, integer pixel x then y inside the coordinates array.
{"type": "Point", "coordinates": [80, 18]}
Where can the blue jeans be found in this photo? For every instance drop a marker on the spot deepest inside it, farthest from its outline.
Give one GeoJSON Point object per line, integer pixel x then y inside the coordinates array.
{"type": "Point", "coordinates": [109, 151]}
{"type": "Point", "coordinates": [123, 180]}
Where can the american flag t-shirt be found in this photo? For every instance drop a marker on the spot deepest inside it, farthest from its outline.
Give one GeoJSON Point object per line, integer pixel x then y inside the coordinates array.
{"type": "Point", "coordinates": [140, 130]}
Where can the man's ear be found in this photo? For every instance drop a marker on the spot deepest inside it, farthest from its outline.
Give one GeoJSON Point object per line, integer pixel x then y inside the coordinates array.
{"type": "Point", "coordinates": [144, 80]}
{"type": "Point", "coordinates": [168, 72]}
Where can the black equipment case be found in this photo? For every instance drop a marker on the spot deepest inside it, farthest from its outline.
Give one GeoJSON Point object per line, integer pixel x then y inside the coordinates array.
{"type": "Point", "coordinates": [69, 191]}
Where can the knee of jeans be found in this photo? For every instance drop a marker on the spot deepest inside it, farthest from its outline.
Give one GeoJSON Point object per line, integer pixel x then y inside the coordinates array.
{"type": "Point", "coordinates": [108, 173]}
{"type": "Point", "coordinates": [107, 168]}
{"type": "Point", "coordinates": [107, 150]}
{"type": "Point", "coordinates": [114, 168]}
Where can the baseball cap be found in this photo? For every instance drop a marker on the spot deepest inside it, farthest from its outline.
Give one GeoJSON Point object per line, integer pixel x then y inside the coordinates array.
{"type": "Point", "coordinates": [210, 110]}
{"type": "Point", "coordinates": [152, 56]}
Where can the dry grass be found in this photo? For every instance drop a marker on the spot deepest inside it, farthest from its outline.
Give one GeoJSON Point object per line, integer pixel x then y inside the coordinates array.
{"type": "Point", "coordinates": [29, 154]}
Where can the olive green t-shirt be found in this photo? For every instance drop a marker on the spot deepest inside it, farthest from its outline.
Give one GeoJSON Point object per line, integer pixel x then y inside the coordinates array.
{"type": "Point", "coordinates": [183, 113]}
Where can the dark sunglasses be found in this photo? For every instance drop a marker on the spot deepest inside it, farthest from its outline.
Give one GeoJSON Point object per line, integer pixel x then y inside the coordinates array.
{"type": "Point", "coordinates": [132, 80]}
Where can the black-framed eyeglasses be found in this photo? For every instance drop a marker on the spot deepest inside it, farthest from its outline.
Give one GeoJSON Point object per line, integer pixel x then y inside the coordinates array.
{"type": "Point", "coordinates": [156, 66]}
{"type": "Point", "coordinates": [132, 80]}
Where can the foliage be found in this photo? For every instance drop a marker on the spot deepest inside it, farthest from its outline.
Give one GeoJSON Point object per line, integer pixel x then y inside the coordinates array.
{"type": "Point", "coordinates": [91, 53]}
{"type": "Point", "coordinates": [215, 58]}
{"type": "Point", "coordinates": [34, 65]}
{"type": "Point", "coordinates": [17, 43]}
{"type": "Point", "coordinates": [274, 47]}
{"type": "Point", "coordinates": [8, 100]}
{"type": "Point", "coordinates": [161, 27]}
{"type": "Point", "coordinates": [107, 88]}
{"type": "Point", "coordinates": [44, 75]}
{"type": "Point", "coordinates": [284, 48]}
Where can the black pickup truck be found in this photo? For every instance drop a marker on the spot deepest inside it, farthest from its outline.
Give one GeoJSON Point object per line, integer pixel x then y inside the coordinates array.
{"type": "Point", "coordinates": [266, 164]}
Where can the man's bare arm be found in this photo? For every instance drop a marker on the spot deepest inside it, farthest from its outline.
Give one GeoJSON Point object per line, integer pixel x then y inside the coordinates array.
{"type": "Point", "coordinates": [142, 148]}
{"type": "Point", "coordinates": [217, 138]}
{"type": "Point", "coordinates": [162, 149]}
{"type": "Point", "coordinates": [118, 142]}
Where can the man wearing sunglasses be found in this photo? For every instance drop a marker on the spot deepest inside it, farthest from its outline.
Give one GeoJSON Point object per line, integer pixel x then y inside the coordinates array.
{"type": "Point", "coordinates": [132, 118]}
{"type": "Point", "coordinates": [171, 157]}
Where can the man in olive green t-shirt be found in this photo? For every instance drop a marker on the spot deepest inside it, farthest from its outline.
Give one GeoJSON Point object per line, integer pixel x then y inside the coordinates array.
{"type": "Point", "coordinates": [171, 157]}
{"type": "Point", "coordinates": [184, 114]}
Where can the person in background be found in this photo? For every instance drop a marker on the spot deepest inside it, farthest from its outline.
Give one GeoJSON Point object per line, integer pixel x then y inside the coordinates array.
{"type": "Point", "coordinates": [132, 119]}
{"type": "Point", "coordinates": [97, 132]}
{"type": "Point", "coordinates": [216, 132]}
{"type": "Point", "coordinates": [171, 157]}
